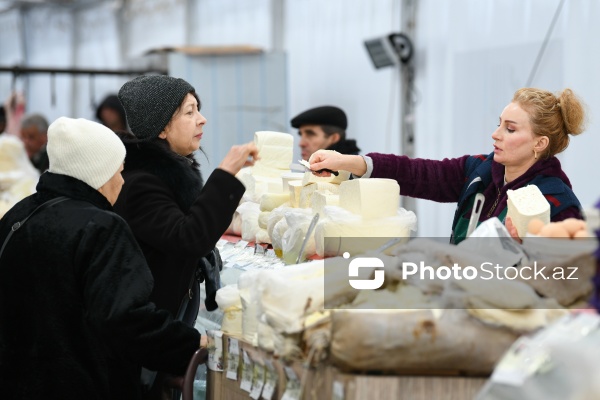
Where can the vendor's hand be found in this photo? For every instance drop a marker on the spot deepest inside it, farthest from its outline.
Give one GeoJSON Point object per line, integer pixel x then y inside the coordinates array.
{"type": "Point", "coordinates": [203, 341]}
{"type": "Point", "coordinates": [512, 229]}
{"type": "Point", "coordinates": [239, 156]}
{"type": "Point", "coordinates": [334, 161]}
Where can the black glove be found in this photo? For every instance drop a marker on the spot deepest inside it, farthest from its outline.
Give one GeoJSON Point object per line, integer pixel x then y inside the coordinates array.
{"type": "Point", "coordinates": [210, 266]}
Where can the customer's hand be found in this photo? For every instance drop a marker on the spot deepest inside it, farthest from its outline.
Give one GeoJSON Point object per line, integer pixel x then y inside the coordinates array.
{"type": "Point", "coordinates": [512, 229]}
{"type": "Point", "coordinates": [334, 161]}
{"type": "Point", "coordinates": [239, 156]}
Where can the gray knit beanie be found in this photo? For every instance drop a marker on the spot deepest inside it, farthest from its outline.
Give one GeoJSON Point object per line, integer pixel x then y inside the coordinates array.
{"type": "Point", "coordinates": [150, 102]}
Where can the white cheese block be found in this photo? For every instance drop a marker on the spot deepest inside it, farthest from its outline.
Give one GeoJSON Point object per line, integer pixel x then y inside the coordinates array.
{"type": "Point", "coordinates": [263, 218]}
{"type": "Point", "coordinates": [295, 189]}
{"type": "Point", "coordinates": [321, 199]}
{"type": "Point", "coordinates": [269, 184]}
{"type": "Point", "coordinates": [309, 177]}
{"type": "Point", "coordinates": [270, 201]}
{"type": "Point", "coordinates": [525, 204]}
{"type": "Point", "coordinates": [348, 234]}
{"type": "Point", "coordinates": [279, 157]}
{"type": "Point", "coordinates": [260, 169]}
{"type": "Point", "coordinates": [370, 198]}
{"type": "Point", "coordinates": [269, 138]}
{"type": "Point", "coordinates": [307, 191]}
{"type": "Point", "coordinates": [290, 176]}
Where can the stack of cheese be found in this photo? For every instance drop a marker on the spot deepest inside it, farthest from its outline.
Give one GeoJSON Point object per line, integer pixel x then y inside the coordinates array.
{"type": "Point", "coordinates": [370, 209]}
{"type": "Point", "coordinates": [263, 181]}
{"type": "Point", "coordinates": [287, 228]}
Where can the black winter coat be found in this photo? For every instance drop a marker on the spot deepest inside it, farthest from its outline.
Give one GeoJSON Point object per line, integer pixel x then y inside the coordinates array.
{"type": "Point", "coordinates": [175, 218]}
{"type": "Point", "coordinates": [75, 319]}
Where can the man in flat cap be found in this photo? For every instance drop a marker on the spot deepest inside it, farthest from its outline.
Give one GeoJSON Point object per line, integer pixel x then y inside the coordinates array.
{"type": "Point", "coordinates": [323, 128]}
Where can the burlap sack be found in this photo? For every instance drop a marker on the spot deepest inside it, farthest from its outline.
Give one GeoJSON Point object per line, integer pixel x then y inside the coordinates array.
{"type": "Point", "coordinates": [579, 269]}
{"type": "Point", "coordinates": [398, 341]}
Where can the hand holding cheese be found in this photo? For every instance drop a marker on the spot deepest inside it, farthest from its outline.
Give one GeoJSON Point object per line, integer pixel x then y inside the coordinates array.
{"type": "Point", "coordinates": [239, 156]}
{"type": "Point", "coordinates": [525, 204]}
{"type": "Point", "coordinates": [334, 161]}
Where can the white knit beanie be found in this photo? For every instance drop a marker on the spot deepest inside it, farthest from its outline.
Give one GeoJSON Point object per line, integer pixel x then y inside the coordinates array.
{"type": "Point", "coordinates": [84, 150]}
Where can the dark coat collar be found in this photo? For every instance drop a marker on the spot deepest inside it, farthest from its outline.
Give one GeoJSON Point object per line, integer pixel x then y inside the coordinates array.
{"type": "Point", "coordinates": [345, 147]}
{"type": "Point", "coordinates": [53, 185]}
{"type": "Point", "coordinates": [180, 174]}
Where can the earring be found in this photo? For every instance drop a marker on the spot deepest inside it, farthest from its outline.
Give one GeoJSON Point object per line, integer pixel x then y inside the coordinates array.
{"type": "Point", "coordinates": [535, 154]}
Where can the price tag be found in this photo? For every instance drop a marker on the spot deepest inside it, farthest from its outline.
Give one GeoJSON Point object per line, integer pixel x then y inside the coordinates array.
{"type": "Point", "coordinates": [292, 388]}
{"type": "Point", "coordinates": [215, 350]}
{"type": "Point", "coordinates": [241, 244]}
{"type": "Point", "coordinates": [258, 381]}
{"type": "Point", "coordinates": [247, 373]}
{"type": "Point", "coordinates": [270, 381]}
{"type": "Point", "coordinates": [233, 359]}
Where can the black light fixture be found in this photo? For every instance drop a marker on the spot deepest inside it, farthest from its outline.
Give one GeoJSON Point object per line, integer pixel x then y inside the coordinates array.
{"type": "Point", "coordinates": [389, 50]}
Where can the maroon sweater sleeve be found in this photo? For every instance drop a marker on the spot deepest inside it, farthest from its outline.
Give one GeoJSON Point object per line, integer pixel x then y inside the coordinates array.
{"type": "Point", "coordinates": [571, 212]}
{"type": "Point", "coordinates": [440, 181]}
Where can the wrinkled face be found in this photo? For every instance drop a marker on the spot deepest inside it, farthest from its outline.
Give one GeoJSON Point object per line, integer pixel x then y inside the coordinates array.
{"type": "Point", "coordinates": [112, 188]}
{"type": "Point", "coordinates": [313, 138]}
{"type": "Point", "coordinates": [184, 131]}
{"type": "Point", "coordinates": [112, 119]}
{"type": "Point", "coordinates": [514, 140]}
{"type": "Point", "coordinates": [33, 139]}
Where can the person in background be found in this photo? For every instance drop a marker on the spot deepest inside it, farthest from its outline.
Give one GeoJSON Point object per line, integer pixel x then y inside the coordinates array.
{"type": "Point", "coordinates": [2, 119]}
{"type": "Point", "coordinates": [75, 317]}
{"type": "Point", "coordinates": [532, 129]}
{"type": "Point", "coordinates": [34, 130]}
{"type": "Point", "coordinates": [175, 216]}
{"type": "Point", "coordinates": [323, 128]}
{"type": "Point", "coordinates": [110, 113]}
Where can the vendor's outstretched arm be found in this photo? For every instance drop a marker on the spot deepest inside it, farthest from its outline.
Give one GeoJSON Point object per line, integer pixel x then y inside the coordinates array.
{"type": "Point", "coordinates": [334, 161]}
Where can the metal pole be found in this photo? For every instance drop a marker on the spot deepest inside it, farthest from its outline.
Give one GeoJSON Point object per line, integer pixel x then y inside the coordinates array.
{"type": "Point", "coordinates": [277, 31]}
{"type": "Point", "coordinates": [408, 12]}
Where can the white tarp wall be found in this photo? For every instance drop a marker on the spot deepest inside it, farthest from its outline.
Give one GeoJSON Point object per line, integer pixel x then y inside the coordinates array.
{"type": "Point", "coordinates": [471, 55]}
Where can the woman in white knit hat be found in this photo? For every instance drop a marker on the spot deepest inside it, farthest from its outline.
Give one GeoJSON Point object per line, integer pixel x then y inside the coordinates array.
{"type": "Point", "coordinates": [75, 317]}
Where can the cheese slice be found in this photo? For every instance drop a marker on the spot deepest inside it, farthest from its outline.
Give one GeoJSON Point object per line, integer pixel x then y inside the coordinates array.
{"type": "Point", "coordinates": [370, 198]}
{"type": "Point", "coordinates": [290, 176]}
{"type": "Point", "coordinates": [319, 200]}
{"type": "Point", "coordinates": [525, 204]}
{"type": "Point", "coordinates": [295, 189]}
{"type": "Point", "coordinates": [307, 191]}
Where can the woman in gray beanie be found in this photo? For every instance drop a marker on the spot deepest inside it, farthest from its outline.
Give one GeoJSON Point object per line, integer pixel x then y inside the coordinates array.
{"type": "Point", "coordinates": [75, 317]}
{"type": "Point", "coordinates": [176, 218]}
